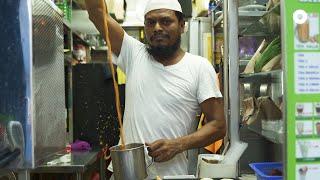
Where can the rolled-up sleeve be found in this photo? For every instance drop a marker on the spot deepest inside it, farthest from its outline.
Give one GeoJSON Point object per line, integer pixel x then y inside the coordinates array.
{"type": "Point", "coordinates": [208, 85]}
{"type": "Point", "coordinates": [127, 53]}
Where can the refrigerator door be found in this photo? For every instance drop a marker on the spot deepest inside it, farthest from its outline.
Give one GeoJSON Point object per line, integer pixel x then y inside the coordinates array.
{"type": "Point", "coordinates": [15, 84]}
{"type": "Point", "coordinates": [32, 100]}
{"type": "Point", "coordinates": [48, 88]}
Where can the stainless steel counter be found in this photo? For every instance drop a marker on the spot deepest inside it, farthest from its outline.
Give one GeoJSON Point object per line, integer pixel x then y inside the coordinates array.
{"type": "Point", "coordinates": [74, 162]}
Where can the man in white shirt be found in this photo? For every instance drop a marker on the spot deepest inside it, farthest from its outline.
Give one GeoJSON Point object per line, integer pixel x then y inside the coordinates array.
{"type": "Point", "coordinates": [166, 88]}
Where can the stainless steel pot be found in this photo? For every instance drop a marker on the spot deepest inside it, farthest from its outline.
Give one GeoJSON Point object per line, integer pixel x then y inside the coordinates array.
{"type": "Point", "coordinates": [129, 163]}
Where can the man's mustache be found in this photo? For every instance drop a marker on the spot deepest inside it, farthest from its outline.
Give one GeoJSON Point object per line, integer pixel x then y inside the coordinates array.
{"type": "Point", "coordinates": [163, 36]}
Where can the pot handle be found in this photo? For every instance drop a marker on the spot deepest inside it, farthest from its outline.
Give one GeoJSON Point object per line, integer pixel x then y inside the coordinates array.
{"type": "Point", "coordinates": [152, 160]}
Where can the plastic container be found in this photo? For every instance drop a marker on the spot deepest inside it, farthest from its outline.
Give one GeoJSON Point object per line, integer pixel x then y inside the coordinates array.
{"type": "Point", "coordinates": [209, 166]}
{"type": "Point", "coordinates": [263, 170]}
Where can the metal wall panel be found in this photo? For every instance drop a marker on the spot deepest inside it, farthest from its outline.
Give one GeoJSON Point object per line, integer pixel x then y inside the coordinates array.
{"type": "Point", "coordinates": [49, 110]}
{"type": "Point", "coordinates": [32, 100]}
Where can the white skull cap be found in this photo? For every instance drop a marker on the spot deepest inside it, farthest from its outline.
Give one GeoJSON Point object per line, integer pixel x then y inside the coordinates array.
{"type": "Point", "coordinates": [162, 4]}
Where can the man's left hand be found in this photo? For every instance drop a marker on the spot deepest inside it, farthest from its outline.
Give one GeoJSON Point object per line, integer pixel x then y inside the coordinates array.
{"type": "Point", "coordinates": [164, 149]}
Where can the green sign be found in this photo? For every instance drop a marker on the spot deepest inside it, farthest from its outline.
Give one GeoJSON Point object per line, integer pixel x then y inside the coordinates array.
{"type": "Point", "coordinates": [314, 1]}
{"type": "Point", "coordinates": [301, 43]}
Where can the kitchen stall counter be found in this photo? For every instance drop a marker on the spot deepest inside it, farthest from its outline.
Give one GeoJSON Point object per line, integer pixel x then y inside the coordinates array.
{"type": "Point", "coordinates": [73, 162]}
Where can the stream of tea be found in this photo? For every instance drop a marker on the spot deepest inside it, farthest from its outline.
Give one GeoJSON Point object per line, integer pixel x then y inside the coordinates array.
{"type": "Point", "coordinates": [115, 84]}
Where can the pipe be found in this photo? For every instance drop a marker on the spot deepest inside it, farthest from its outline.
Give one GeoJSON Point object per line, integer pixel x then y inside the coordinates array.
{"type": "Point", "coordinates": [231, 81]}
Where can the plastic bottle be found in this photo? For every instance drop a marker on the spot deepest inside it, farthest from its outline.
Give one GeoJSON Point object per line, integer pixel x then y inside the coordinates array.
{"type": "Point", "coordinates": [211, 7]}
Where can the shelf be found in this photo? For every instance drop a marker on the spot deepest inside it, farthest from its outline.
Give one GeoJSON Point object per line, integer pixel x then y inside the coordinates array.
{"type": "Point", "coordinates": [245, 18]}
{"type": "Point", "coordinates": [276, 136]}
{"type": "Point", "coordinates": [101, 48]}
{"type": "Point", "coordinates": [80, 39]}
{"type": "Point", "coordinates": [133, 25]}
{"type": "Point", "coordinates": [262, 77]}
{"type": "Point", "coordinates": [66, 50]}
{"type": "Point", "coordinates": [272, 136]}
{"type": "Point", "coordinates": [262, 26]}
{"type": "Point", "coordinates": [244, 62]}
{"type": "Point", "coordinates": [66, 24]}
{"type": "Point", "coordinates": [218, 20]}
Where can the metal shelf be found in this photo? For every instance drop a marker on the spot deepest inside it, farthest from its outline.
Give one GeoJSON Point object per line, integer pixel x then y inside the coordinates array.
{"type": "Point", "coordinates": [133, 25]}
{"type": "Point", "coordinates": [80, 39]}
{"type": "Point", "coordinates": [262, 26]}
{"type": "Point", "coordinates": [218, 20]}
{"type": "Point", "coordinates": [67, 24]}
{"type": "Point", "coordinates": [272, 136]}
{"type": "Point", "coordinates": [243, 62]}
{"type": "Point", "coordinates": [246, 18]}
{"type": "Point", "coordinates": [262, 77]}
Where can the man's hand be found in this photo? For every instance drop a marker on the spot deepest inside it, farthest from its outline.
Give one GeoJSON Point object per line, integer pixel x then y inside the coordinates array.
{"type": "Point", "coordinates": [164, 149]}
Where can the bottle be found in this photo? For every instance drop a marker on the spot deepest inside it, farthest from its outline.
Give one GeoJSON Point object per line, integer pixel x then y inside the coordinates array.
{"type": "Point", "coordinates": [212, 6]}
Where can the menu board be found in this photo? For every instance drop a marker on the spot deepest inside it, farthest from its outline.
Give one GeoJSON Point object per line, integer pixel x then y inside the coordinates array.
{"type": "Point", "coordinates": [307, 72]}
{"type": "Point", "coordinates": [301, 35]}
{"type": "Point", "coordinates": [310, 1]}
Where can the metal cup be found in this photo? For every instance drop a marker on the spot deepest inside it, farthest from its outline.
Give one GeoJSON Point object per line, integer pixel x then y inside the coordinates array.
{"type": "Point", "coordinates": [129, 163]}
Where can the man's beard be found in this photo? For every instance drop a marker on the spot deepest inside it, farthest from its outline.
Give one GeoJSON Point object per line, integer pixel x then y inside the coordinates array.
{"type": "Point", "coordinates": [164, 52]}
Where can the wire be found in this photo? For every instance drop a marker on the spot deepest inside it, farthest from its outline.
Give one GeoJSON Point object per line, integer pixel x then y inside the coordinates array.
{"type": "Point", "coordinates": [11, 175]}
{"type": "Point", "coordinates": [14, 176]}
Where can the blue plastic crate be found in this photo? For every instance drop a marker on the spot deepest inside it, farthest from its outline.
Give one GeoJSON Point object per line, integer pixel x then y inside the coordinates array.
{"type": "Point", "coordinates": [263, 170]}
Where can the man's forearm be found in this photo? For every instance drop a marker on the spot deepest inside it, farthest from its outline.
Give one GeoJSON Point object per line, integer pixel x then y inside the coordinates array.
{"type": "Point", "coordinates": [212, 131]}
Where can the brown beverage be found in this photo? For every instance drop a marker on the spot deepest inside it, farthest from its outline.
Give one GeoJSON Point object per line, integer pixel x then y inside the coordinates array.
{"type": "Point", "coordinates": [303, 31]}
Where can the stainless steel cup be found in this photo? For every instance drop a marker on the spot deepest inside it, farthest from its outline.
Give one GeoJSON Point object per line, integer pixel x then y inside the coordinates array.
{"type": "Point", "coordinates": [129, 163]}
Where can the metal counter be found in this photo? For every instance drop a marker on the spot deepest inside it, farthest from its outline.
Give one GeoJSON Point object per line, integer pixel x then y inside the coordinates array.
{"type": "Point", "coordinates": [78, 164]}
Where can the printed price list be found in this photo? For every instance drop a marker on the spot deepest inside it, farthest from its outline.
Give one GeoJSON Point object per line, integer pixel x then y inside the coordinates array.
{"type": "Point", "coordinates": [307, 73]}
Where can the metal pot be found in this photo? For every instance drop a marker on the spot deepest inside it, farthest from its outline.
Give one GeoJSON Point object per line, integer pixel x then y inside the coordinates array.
{"type": "Point", "coordinates": [129, 163]}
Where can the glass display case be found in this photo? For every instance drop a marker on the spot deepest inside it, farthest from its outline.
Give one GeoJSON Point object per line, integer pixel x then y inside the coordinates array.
{"type": "Point", "coordinates": [261, 85]}
{"type": "Point", "coordinates": [253, 79]}
{"type": "Point", "coordinates": [272, 84]}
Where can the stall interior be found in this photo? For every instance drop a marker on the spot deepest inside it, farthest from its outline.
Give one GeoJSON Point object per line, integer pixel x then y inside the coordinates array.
{"type": "Point", "coordinates": [87, 93]}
